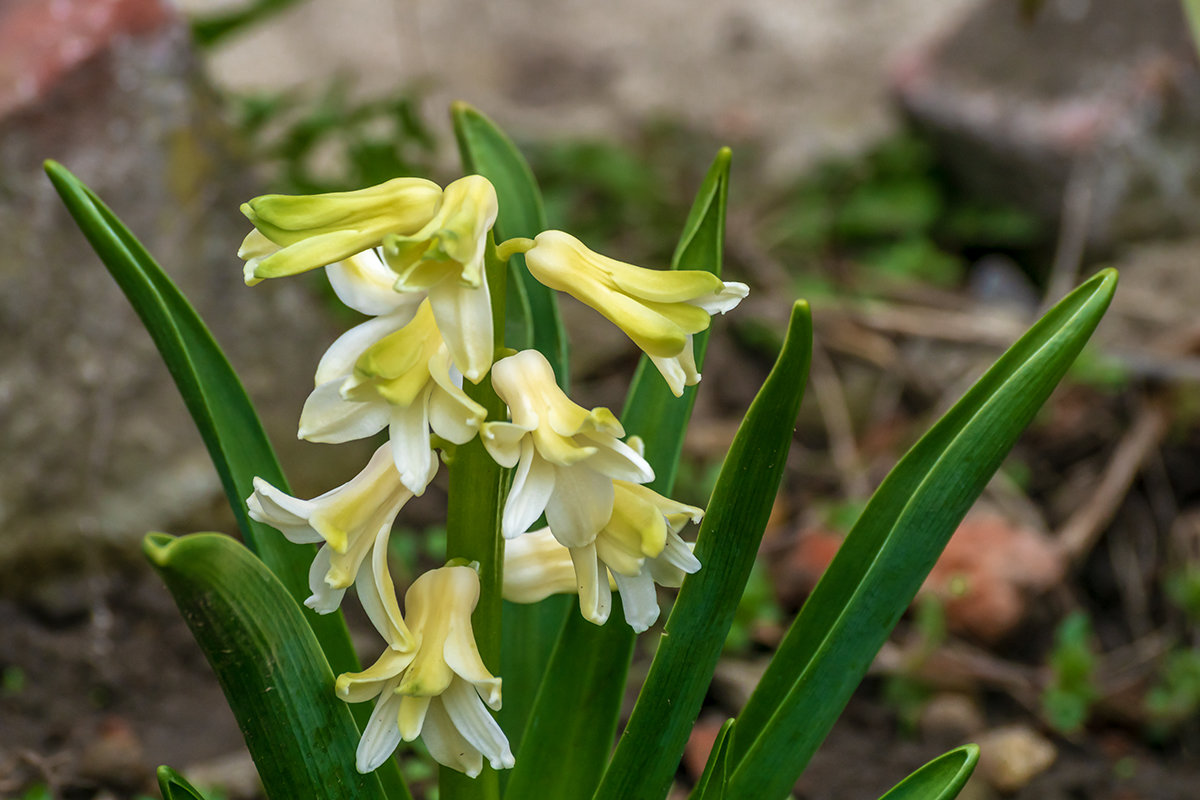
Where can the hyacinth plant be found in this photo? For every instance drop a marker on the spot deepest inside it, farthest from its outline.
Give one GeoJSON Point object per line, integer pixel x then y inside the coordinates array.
{"type": "Point", "coordinates": [510, 661]}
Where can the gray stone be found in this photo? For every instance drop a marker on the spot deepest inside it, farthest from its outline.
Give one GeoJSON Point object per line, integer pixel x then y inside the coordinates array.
{"type": "Point", "coordinates": [798, 80]}
{"type": "Point", "coordinates": [1103, 95]}
{"type": "Point", "coordinates": [95, 440]}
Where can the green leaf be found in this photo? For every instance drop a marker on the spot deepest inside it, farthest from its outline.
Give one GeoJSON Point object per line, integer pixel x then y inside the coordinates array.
{"type": "Point", "coordinates": [530, 633]}
{"type": "Point", "coordinates": [269, 664]}
{"type": "Point", "coordinates": [173, 786]}
{"type": "Point", "coordinates": [587, 671]}
{"type": "Point", "coordinates": [940, 779]}
{"type": "Point", "coordinates": [218, 404]}
{"type": "Point", "coordinates": [486, 150]}
{"type": "Point", "coordinates": [1192, 9]}
{"type": "Point", "coordinates": [574, 720]}
{"type": "Point", "coordinates": [895, 543]}
{"type": "Point", "coordinates": [209, 30]}
{"type": "Point", "coordinates": [653, 741]}
{"type": "Point", "coordinates": [711, 785]}
{"type": "Point", "coordinates": [651, 411]}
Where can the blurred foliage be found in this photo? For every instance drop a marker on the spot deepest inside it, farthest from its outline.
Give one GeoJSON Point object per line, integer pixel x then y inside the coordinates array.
{"type": "Point", "coordinates": [210, 29]}
{"type": "Point", "coordinates": [1175, 698]}
{"type": "Point", "coordinates": [1173, 701]}
{"type": "Point", "coordinates": [904, 691]}
{"type": "Point", "coordinates": [414, 551]}
{"type": "Point", "coordinates": [335, 142]}
{"type": "Point", "coordinates": [419, 769]}
{"type": "Point", "coordinates": [756, 609]}
{"type": "Point", "coordinates": [842, 516]}
{"type": "Point", "coordinates": [695, 479]}
{"type": "Point", "coordinates": [1183, 590]}
{"type": "Point", "coordinates": [1068, 698]}
{"type": "Point", "coordinates": [891, 211]}
{"type": "Point", "coordinates": [622, 195]}
{"type": "Point", "coordinates": [1098, 370]}
{"type": "Point", "coordinates": [12, 681]}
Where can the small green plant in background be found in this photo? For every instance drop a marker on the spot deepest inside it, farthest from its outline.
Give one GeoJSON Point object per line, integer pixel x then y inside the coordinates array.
{"type": "Point", "coordinates": [1173, 702]}
{"type": "Point", "coordinates": [1072, 689]}
{"type": "Point", "coordinates": [12, 681]}
{"type": "Point", "coordinates": [457, 278]}
{"type": "Point", "coordinates": [1099, 371]}
{"type": "Point", "coordinates": [904, 691]}
{"type": "Point", "coordinates": [756, 610]}
{"type": "Point", "coordinates": [1183, 591]}
{"type": "Point", "coordinates": [892, 212]}
{"type": "Point", "coordinates": [336, 141]}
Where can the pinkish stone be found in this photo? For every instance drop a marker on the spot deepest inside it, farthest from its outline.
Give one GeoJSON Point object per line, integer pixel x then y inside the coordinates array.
{"type": "Point", "coordinates": [43, 40]}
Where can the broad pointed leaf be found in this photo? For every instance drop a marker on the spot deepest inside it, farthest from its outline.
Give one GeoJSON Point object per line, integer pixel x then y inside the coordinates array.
{"type": "Point", "coordinates": [895, 543]}
{"type": "Point", "coordinates": [172, 786]}
{"type": "Point", "coordinates": [711, 785]}
{"type": "Point", "coordinates": [940, 779]}
{"type": "Point", "coordinates": [218, 404]}
{"type": "Point", "coordinates": [670, 700]}
{"type": "Point", "coordinates": [269, 665]}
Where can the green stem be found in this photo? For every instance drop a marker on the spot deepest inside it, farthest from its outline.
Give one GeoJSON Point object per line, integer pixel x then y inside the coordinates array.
{"type": "Point", "coordinates": [507, 249]}
{"type": "Point", "coordinates": [478, 486]}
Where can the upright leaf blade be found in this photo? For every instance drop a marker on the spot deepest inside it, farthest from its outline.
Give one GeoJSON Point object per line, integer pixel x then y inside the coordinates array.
{"type": "Point", "coordinates": [940, 779]}
{"type": "Point", "coordinates": [711, 785]}
{"type": "Point", "coordinates": [588, 669]}
{"type": "Point", "coordinates": [891, 549]}
{"type": "Point", "coordinates": [486, 150]}
{"type": "Point", "coordinates": [651, 411]}
{"type": "Point", "coordinates": [173, 786]}
{"type": "Point", "coordinates": [653, 741]}
{"type": "Point", "coordinates": [218, 404]}
{"type": "Point", "coordinates": [270, 666]}
{"type": "Point", "coordinates": [574, 720]}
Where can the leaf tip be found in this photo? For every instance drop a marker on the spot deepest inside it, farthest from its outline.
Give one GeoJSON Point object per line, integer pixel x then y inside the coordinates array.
{"type": "Point", "coordinates": [169, 781]}
{"type": "Point", "coordinates": [1108, 275]}
{"type": "Point", "coordinates": [156, 547]}
{"type": "Point", "coordinates": [801, 314]}
{"type": "Point", "coordinates": [59, 175]}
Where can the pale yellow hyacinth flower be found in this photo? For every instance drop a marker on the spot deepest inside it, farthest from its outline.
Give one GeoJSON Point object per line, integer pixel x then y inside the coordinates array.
{"type": "Point", "coordinates": [660, 310]}
{"type": "Point", "coordinates": [436, 689]}
{"type": "Point", "coordinates": [566, 456]}
{"type": "Point", "coordinates": [638, 548]}
{"type": "Point", "coordinates": [536, 566]}
{"type": "Point", "coordinates": [446, 259]}
{"type": "Point", "coordinates": [364, 283]}
{"type": "Point", "coordinates": [296, 233]}
{"type": "Point", "coordinates": [383, 374]}
{"type": "Point", "coordinates": [348, 521]}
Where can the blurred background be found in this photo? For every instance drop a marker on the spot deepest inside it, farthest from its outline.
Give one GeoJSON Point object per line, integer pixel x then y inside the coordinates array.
{"type": "Point", "coordinates": [928, 174]}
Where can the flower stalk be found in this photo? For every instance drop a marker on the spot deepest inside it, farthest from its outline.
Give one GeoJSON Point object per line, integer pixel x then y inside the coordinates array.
{"type": "Point", "coordinates": [473, 528]}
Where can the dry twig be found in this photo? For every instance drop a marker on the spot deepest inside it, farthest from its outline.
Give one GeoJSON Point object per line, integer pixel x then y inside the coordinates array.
{"type": "Point", "coordinates": [1080, 532]}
